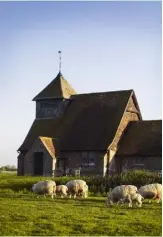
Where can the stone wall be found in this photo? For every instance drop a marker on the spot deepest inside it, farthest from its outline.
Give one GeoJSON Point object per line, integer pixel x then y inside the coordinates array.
{"type": "Point", "coordinates": [48, 161]}
{"type": "Point", "coordinates": [20, 163]}
{"type": "Point", "coordinates": [89, 162]}
{"type": "Point", "coordinates": [125, 163]}
{"type": "Point", "coordinates": [96, 162]}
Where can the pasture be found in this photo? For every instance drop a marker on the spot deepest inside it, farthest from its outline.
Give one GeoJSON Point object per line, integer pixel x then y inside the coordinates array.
{"type": "Point", "coordinates": [22, 214]}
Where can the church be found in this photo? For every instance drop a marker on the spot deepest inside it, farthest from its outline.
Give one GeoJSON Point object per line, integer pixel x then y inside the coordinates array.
{"type": "Point", "coordinates": [99, 133]}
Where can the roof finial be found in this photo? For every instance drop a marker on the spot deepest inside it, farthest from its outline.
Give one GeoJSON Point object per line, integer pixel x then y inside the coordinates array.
{"type": "Point", "coordinates": [59, 52]}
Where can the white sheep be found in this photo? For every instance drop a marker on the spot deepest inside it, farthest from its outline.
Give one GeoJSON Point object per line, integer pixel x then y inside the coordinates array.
{"type": "Point", "coordinates": [132, 197]}
{"type": "Point", "coordinates": [151, 191]}
{"type": "Point", "coordinates": [61, 190]}
{"type": "Point", "coordinates": [119, 192]}
{"type": "Point", "coordinates": [84, 192]}
{"type": "Point", "coordinates": [77, 188]}
{"type": "Point", "coordinates": [47, 187]}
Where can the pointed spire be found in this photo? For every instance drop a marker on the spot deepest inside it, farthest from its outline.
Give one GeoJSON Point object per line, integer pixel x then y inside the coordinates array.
{"type": "Point", "coordinates": [58, 88]}
{"type": "Point", "coordinates": [59, 52]}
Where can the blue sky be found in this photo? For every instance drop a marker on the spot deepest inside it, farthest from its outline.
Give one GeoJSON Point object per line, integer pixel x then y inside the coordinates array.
{"type": "Point", "coordinates": [105, 46]}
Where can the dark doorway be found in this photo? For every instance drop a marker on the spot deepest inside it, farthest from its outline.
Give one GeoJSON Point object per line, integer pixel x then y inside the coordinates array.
{"type": "Point", "coordinates": [38, 163]}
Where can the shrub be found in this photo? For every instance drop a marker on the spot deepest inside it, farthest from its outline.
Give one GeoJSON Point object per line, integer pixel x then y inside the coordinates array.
{"type": "Point", "coordinates": [97, 184]}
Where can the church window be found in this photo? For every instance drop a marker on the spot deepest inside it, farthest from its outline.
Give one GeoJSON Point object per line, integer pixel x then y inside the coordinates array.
{"type": "Point", "coordinates": [84, 154]}
{"type": "Point", "coordinates": [87, 161]}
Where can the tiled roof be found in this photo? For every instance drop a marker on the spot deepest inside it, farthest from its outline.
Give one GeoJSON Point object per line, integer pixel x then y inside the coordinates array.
{"type": "Point", "coordinates": [142, 138]}
{"type": "Point", "coordinates": [91, 120]}
{"type": "Point", "coordinates": [58, 88]}
{"type": "Point", "coordinates": [41, 128]}
{"type": "Point", "coordinates": [89, 123]}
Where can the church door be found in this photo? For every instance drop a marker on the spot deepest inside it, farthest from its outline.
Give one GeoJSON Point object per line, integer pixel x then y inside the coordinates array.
{"type": "Point", "coordinates": [38, 163]}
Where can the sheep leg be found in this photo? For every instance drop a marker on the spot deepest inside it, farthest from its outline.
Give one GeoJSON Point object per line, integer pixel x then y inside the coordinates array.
{"type": "Point", "coordinates": [111, 203]}
{"type": "Point", "coordinates": [52, 195]}
{"type": "Point", "coordinates": [120, 202]}
{"type": "Point", "coordinates": [158, 200]}
{"type": "Point", "coordinates": [138, 204]}
{"type": "Point", "coordinates": [65, 195]}
{"type": "Point", "coordinates": [108, 202]}
{"type": "Point", "coordinates": [130, 202]}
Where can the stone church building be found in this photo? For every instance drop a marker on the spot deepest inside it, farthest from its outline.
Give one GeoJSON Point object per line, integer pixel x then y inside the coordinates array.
{"type": "Point", "coordinates": [94, 133]}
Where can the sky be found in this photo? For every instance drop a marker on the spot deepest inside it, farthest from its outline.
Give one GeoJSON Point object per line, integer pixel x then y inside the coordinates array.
{"type": "Point", "coordinates": [106, 46]}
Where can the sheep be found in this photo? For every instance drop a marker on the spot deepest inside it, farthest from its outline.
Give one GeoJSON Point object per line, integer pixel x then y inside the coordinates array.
{"type": "Point", "coordinates": [120, 192]}
{"type": "Point", "coordinates": [77, 188]}
{"type": "Point", "coordinates": [84, 192]}
{"type": "Point", "coordinates": [133, 197]}
{"type": "Point", "coordinates": [61, 190]}
{"type": "Point", "coordinates": [47, 187]}
{"type": "Point", "coordinates": [151, 191]}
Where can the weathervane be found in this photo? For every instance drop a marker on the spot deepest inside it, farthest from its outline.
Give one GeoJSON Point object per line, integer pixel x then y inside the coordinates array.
{"type": "Point", "coordinates": [59, 52]}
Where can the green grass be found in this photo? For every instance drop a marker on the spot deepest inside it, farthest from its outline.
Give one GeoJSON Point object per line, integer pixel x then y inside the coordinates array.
{"type": "Point", "coordinates": [22, 214]}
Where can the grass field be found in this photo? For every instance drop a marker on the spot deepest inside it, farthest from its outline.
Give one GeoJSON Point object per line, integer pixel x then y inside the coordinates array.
{"type": "Point", "coordinates": [22, 214]}
{"type": "Point", "coordinates": [27, 215]}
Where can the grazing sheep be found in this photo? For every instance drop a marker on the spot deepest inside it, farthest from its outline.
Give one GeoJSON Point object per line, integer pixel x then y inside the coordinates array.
{"type": "Point", "coordinates": [133, 197]}
{"type": "Point", "coordinates": [151, 191]}
{"type": "Point", "coordinates": [77, 188]}
{"type": "Point", "coordinates": [120, 192]}
{"type": "Point", "coordinates": [61, 190]}
{"type": "Point", "coordinates": [47, 187]}
{"type": "Point", "coordinates": [84, 193]}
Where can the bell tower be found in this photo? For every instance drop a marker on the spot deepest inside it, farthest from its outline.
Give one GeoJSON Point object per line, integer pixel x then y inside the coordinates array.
{"type": "Point", "coordinates": [52, 101]}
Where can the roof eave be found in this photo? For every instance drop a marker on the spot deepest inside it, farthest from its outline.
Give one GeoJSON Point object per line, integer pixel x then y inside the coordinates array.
{"type": "Point", "coordinates": [121, 119]}
{"type": "Point", "coordinates": [49, 98]}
